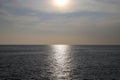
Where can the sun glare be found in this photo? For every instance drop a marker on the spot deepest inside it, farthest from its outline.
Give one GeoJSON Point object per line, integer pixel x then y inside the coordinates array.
{"type": "Point", "coordinates": [61, 3]}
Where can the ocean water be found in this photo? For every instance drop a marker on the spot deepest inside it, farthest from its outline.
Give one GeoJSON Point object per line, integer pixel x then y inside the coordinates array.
{"type": "Point", "coordinates": [59, 62]}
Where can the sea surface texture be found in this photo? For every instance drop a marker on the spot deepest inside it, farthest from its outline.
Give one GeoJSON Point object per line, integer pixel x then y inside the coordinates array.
{"type": "Point", "coordinates": [59, 62]}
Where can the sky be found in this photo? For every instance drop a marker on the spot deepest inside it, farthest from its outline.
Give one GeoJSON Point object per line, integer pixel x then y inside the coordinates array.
{"type": "Point", "coordinates": [41, 22]}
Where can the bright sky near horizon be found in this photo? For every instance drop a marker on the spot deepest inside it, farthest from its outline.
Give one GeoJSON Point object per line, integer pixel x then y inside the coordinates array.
{"type": "Point", "coordinates": [59, 21]}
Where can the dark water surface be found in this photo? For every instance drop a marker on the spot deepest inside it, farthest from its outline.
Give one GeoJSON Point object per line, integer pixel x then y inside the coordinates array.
{"type": "Point", "coordinates": [59, 62]}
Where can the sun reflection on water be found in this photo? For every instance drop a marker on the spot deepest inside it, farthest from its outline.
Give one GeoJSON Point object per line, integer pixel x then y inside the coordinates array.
{"type": "Point", "coordinates": [61, 61]}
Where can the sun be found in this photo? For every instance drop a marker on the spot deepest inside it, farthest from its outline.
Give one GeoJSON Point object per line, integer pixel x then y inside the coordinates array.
{"type": "Point", "coordinates": [61, 3]}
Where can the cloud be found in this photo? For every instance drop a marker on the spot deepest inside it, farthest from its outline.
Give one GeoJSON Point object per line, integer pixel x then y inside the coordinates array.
{"type": "Point", "coordinates": [106, 6]}
{"type": "Point", "coordinates": [85, 21]}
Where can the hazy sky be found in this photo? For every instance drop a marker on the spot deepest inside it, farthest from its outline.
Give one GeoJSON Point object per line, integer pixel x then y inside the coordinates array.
{"type": "Point", "coordinates": [41, 22]}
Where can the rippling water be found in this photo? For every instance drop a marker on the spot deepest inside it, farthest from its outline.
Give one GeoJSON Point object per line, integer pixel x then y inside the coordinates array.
{"type": "Point", "coordinates": [59, 62]}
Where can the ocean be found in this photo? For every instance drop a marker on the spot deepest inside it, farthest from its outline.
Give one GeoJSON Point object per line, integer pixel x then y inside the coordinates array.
{"type": "Point", "coordinates": [59, 62]}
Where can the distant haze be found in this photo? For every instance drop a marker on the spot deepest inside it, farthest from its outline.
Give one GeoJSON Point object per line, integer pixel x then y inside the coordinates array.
{"type": "Point", "coordinates": [79, 22]}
